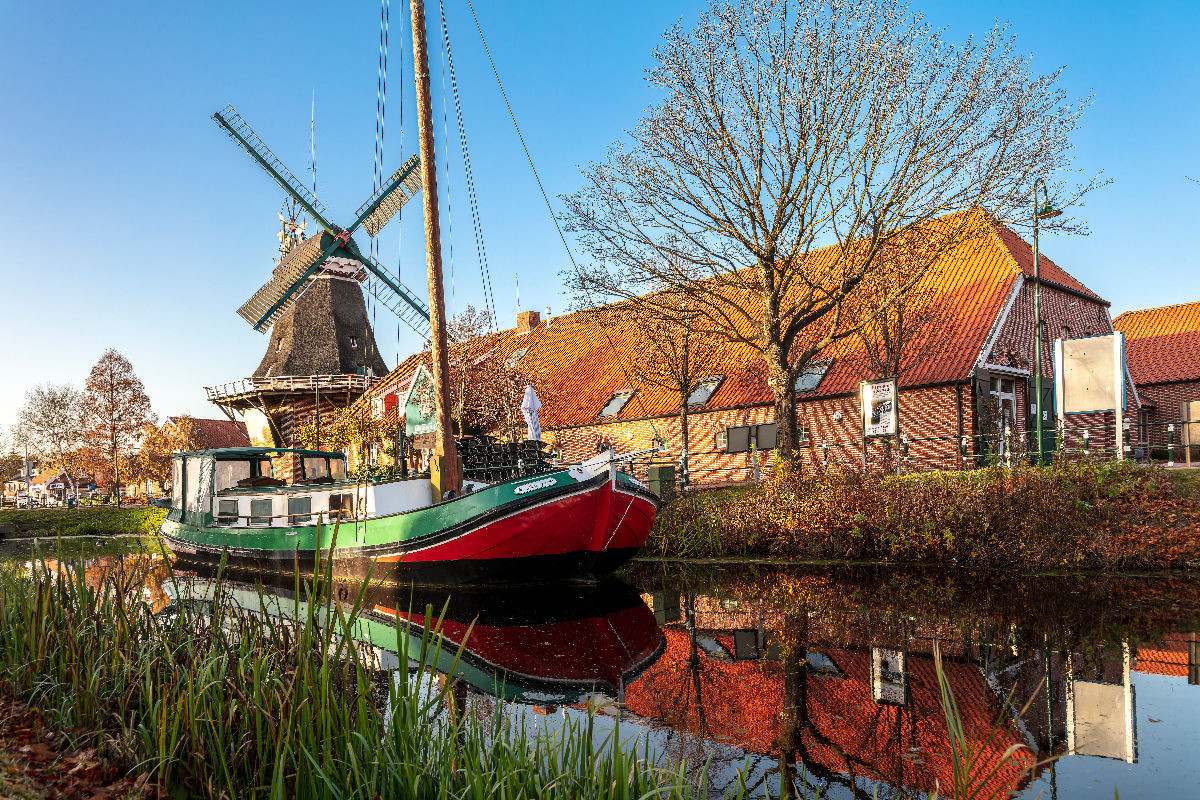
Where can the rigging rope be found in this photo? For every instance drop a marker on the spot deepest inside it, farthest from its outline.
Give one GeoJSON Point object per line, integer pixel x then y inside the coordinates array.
{"type": "Point", "coordinates": [472, 196]}
{"type": "Point", "coordinates": [528, 157]}
{"type": "Point", "coordinates": [449, 203]}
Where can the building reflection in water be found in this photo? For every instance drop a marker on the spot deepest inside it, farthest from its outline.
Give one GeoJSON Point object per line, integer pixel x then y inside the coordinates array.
{"type": "Point", "coordinates": [849, 701]}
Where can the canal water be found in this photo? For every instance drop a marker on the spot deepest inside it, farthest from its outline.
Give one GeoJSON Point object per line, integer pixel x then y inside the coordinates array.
{"type": "Point", "coordinates": [822, 675]}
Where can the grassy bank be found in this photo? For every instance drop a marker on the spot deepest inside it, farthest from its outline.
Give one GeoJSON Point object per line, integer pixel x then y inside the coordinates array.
{"type": "Point", "coordinates": [101, 521]}
{"type": "Point", "coordinates": [207, 701]}
{"type": "Point", "coordinates": [1088, 514]}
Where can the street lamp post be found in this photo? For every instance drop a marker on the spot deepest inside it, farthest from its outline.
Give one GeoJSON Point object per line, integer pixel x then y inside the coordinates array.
{"type": "Point", "coordinates": [116, 475]}
{"type": "Point", "coordinates": [1040, 212]}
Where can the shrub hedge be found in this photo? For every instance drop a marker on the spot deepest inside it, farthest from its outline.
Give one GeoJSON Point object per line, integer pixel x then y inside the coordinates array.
{"type": "Point", "coordinates": [1086, 514]}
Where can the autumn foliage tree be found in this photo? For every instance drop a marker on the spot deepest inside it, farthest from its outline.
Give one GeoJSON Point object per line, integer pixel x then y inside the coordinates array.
{"type": "Point", "coordinates": [793, 141]}
{"type": "Point", "coordinates": [51, 423]}
{"type": "Point", "coordinates": [116, 412]}
{"type": "Point", "coordinates": [485, 389]}
{"type": "Point", "coordinates": [152, 461]}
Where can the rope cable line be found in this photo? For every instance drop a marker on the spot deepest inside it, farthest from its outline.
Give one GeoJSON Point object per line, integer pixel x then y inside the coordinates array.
{"type": "Point", "coordinates": [541, 188]}
{"type": "Point", "coordinates": [472, 194]}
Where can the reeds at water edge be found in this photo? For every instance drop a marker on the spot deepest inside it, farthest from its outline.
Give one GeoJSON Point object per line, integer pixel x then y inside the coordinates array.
{"type": "Point", "coordinates": [210, 700]}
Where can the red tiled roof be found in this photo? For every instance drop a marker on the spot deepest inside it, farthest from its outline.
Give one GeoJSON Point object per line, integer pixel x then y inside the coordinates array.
{"type": "Point", "coordinates": [1022, 254]}
{"type": "Point", "coordinates": [1162, 344]}
{"type": "Point", "coordinates": [581, 359]}
{"type": "Point", "coordinates": [217, 433]}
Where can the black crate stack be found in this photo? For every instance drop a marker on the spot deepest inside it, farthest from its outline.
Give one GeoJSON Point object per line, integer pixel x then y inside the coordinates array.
{"type": "Point", "coordinates": [488, 459]}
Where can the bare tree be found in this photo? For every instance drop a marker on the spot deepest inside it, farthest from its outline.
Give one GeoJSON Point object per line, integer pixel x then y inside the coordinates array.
{"type": "Point", "coordinates": [785, 126]}
{"type": "Point", "coordinates": [674, 353]}
{"type": "Point", "coordinates": [51, 423]}
{"type": "Point", "coordinates": [485, 385]}
{"type": "Point", "coordinates": [116, 412]}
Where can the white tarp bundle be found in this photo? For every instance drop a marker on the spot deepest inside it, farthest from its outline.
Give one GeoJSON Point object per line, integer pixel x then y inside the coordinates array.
{"type": "Point", "coordinates": [529, 407]}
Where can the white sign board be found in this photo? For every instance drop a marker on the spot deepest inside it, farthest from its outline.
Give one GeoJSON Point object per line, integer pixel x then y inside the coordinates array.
{"type": "Point", "coordinates": [880, 413]}
{"type": "Point", "coordinates": [55, 486]}
{"type": "Point", "coordinates": [1089, 374]}
{"type": "Point", "coordinates": [889, 677]}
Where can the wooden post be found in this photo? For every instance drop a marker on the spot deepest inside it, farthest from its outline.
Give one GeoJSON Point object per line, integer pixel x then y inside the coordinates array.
{"type": "Point", "coordinates": [443, 465]}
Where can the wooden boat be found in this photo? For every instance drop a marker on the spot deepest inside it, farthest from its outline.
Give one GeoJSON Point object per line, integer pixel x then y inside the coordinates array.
{"type": "Point", "coordinates": [550, 645]}
{"type": "Point", "coordinates": [566, 524]}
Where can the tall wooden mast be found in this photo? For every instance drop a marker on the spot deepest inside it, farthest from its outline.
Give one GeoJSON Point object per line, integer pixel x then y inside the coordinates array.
{"type": "Point", "coordinates": [444, 464]}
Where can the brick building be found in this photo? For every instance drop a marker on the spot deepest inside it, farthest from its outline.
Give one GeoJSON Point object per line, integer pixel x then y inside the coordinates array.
{"type": "Point", "coordinates": [955, 405]}
{"type": "Point", "coordinates": [1162, 351]}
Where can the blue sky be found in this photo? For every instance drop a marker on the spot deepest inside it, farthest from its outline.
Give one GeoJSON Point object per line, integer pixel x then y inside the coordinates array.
{"type": "Point", "coordinates": [136, 224]}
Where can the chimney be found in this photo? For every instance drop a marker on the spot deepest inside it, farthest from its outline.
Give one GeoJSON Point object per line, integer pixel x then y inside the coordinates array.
{"type": "Point", "coordinates": [547, 316]}
{"type": "Point", "coordinates": [527, 321]}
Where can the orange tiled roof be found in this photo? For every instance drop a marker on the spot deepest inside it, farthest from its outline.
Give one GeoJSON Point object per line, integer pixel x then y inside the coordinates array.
{"type": "Point", "coordinates": [1162, 344]}
{"type": "Point", "coordinates": [579, 360]}
{"type": "Point", "coordinates": [218, 432]}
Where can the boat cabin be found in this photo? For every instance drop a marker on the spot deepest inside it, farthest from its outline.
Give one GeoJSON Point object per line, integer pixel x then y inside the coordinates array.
{"type": "Point", "coordinates": [237, 487]}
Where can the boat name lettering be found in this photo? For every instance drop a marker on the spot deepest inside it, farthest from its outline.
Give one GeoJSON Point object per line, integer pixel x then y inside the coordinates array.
{"type": "Point", "coordinates": [533, 486]}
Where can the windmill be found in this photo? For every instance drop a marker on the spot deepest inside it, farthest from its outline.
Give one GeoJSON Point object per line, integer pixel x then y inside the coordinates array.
{"type": "Point", "coordinates": [332, 249]}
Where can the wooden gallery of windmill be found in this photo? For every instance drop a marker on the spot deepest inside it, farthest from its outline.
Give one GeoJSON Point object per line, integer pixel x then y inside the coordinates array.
{"type": "Point", "coordinates": [322, 351]}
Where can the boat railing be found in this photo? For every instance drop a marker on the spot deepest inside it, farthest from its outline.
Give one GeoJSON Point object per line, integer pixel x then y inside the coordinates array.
{"type": "Point", "coordinates": [265, 521]}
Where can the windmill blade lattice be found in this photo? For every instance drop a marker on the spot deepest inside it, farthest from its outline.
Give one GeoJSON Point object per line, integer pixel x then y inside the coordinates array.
{"type": "Point", "coordinates": [265, 306]}
{"type": "Point", "coordinates": [391, 197]}
{"type": "Point", "coordinates": [408, 307]}
{"type": "Point", "coordinates": [244, 136]}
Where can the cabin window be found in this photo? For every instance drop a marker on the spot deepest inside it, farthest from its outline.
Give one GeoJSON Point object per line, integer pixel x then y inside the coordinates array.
{"type": "Point", "coordinates": [299, 510]}
{"type": "Point", "coordinates": [517, 355]}
{"type": "Point", "coordinates": [315, 468]}
{"type": "Point", "coordinates": [704, 390]}
{"type": "Point", "coordinates": [808, 380]}
{"type": "Point", "coordinates": [177, 483]}
{"type": "Point", "coordinates": [191, 485]}
{"type": "Point", "coordinates": [260, 512]}
{"type": "Point", "coordinates": [343, 503]}
{"type": "Point", "coordinates": [227, 512]}
{"type": "Point", "coordinates": [616, 403]}
{"type": "Point", "coordinates": [337, 469]}
{"type": "Point", "coordinates": [230, 473]}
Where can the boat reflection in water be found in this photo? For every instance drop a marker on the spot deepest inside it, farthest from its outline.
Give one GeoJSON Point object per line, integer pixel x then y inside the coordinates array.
{"type": "Point", "coordinates": [551, 645]}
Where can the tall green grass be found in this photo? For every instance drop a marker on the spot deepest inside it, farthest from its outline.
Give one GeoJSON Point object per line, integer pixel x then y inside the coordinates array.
{"type": "Point", "coordinates": [215, 701]}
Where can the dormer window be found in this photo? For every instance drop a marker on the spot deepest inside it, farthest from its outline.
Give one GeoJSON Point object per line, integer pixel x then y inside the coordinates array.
{"type": "Point", "coordinates": [808, 380]}
{"type": "Point", "coordinates": [516, 357]}
{"type": "Point", "coordinates": [704, 390]}
{"type": "Point", "coordinates": [616, 403]}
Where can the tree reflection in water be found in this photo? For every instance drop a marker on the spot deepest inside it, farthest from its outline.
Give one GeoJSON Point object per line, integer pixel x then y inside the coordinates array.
{"type": "Point", "coordinates": [824, 682]}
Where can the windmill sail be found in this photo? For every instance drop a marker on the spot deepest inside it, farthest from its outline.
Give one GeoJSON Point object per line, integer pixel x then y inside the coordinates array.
{"type": "Point", "coordinates": [299, 260]}
{"type": "Point", "coordinates": [385, 203]}
{"type": "Point", "coordinates": [244, 136]}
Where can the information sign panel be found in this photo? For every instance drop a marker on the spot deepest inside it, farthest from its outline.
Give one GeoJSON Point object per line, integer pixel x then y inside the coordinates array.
{"type": "Point", "coordinates": [1089, 374]}
{"type": "Point", "coordinates": [880, 412]}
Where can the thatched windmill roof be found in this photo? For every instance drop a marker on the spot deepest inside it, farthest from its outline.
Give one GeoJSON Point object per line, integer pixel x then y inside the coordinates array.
{"type": "Point", "coordinates": [325, 332]}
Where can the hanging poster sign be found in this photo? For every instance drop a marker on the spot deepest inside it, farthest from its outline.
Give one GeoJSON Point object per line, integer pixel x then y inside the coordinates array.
{"type": "Point", "coordinates": [420, 414]}
{"type": "Point", "coordinates": [880, 413]}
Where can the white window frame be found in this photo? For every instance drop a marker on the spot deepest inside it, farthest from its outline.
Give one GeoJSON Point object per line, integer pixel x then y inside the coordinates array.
{"type": "Point", "coordinates": [624, 395]}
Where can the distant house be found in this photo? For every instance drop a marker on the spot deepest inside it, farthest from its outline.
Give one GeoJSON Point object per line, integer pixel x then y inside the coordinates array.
{"type": "Point", "coordinates": [1162, 351]}
{"type": "Point", "coordinates": [969, 397]}
{"type": "Point", "coordinates": [53, 483]}
{"type": "Point", "coordinates": [214, 433]}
